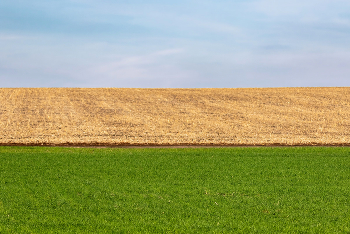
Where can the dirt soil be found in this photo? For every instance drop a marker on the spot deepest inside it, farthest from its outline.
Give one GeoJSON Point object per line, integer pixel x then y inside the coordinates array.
{"type": "Point", "coordinates": [115, 117]}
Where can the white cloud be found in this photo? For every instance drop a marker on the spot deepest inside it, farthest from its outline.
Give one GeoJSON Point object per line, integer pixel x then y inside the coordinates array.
{"type": "Point", "coordinates": [294, 7]}
{"type": "Point", "coordinates": [11, 37]}
{"type": "Point", "coordinates": [157, 69]}
{"type": "Point", "coordinates": [283, 69]}
{"type": "Point", "coordinates": [301, 11]}
{"type": "Point", "coordinates": [168, 52]}
{"type": "Point", "coordinates": [183, 17]}
{"type": "Point", "coordinates": [210, 44]}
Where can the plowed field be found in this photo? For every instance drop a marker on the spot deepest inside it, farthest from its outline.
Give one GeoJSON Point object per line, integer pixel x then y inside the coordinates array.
{"type": "Point", "coordinates": [115, 116]}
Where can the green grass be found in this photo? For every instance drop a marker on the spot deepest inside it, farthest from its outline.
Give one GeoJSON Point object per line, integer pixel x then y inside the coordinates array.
{"type": "Point", "coordinates": [204, 190]}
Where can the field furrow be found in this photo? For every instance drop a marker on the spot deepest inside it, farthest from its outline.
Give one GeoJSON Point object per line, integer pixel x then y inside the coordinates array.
{"type": "Point", "coordinates": [116, 116]}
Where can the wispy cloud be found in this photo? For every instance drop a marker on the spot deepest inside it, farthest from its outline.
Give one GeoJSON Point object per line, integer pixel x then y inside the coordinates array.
{"type": "Point", "coordinates": [311, 9]}
{"type": "Point", "coordinates": [184, 43]}
{"type": "Point", "coordinates": [10, 37]}
{"type": "Point", "coordinates": [156, 69]}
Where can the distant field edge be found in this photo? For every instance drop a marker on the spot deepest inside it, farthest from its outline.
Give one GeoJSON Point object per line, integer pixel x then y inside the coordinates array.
{"type": "Point", "coordinates": [128, 145]}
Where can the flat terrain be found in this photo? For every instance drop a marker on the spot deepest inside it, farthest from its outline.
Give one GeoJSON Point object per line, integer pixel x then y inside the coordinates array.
{"type": "Point", "coordinates": [115, 117]}
{"type": "Point", "coordinates": [204, 190]}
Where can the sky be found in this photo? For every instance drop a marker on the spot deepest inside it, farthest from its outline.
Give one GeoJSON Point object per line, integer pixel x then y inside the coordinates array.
{"type": "Point", "coordinates": [175, 44]}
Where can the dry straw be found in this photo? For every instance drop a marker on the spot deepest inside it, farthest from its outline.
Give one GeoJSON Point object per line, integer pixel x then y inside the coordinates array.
{"type": "Point", "coordinates": [260, 116]}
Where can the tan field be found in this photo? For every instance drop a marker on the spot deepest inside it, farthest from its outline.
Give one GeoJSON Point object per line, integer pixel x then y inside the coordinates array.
{"type": "Point", "coordinates": [115, 116]}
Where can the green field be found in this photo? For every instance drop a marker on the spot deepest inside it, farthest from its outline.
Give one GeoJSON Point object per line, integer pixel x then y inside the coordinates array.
{"type": "Point", "coordinates": [202, 190]}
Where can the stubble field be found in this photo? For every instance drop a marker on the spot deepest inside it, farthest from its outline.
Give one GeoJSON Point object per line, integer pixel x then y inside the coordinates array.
{"type": "Point", "coordinates": [115, 116]}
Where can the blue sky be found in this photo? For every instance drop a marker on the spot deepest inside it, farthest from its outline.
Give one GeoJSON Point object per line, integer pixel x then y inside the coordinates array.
{"type": "Point", "coordinates": [174, 44]}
